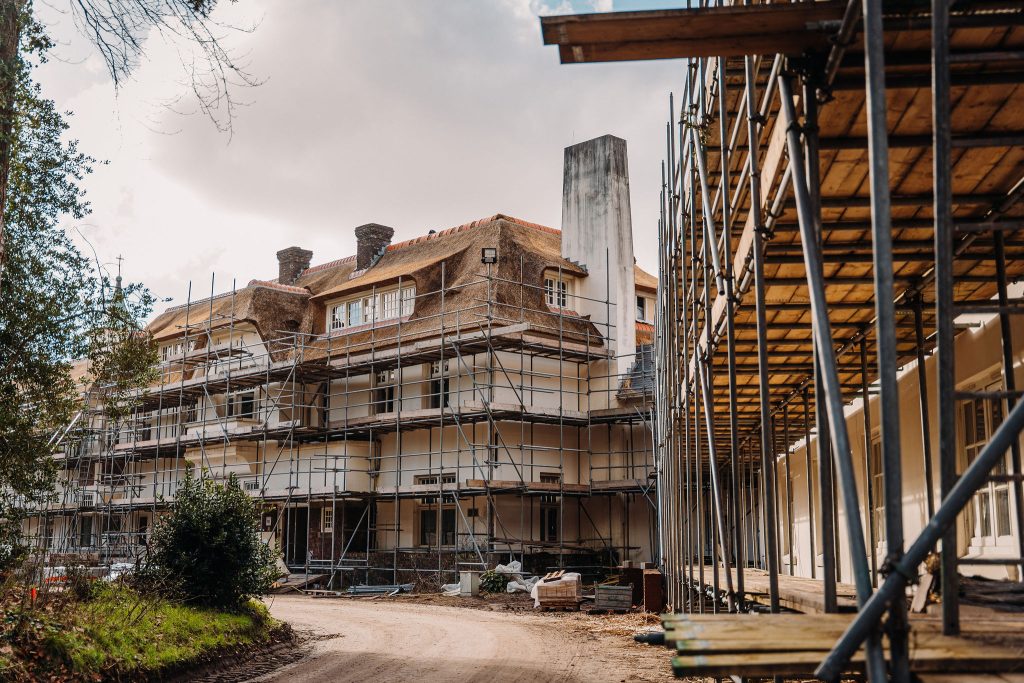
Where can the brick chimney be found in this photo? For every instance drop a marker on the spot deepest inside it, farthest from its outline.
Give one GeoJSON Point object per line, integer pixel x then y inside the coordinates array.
{"type": "Point", "coordinates": [371, 239]}
{"type": "Point", "coordinates": [291, 262]}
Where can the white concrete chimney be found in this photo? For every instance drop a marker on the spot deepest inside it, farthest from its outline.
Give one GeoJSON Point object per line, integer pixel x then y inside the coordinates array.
{"type": "Point", "coordinates": [597, 232]}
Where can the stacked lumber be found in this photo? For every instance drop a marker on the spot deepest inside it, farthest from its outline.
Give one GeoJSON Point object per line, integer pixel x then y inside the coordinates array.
{"type": "Point", "coordinates": [792, 645]}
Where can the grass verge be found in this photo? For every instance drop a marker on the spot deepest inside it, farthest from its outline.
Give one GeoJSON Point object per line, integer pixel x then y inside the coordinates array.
{"type": "Point", "coordinates": [119, 634]}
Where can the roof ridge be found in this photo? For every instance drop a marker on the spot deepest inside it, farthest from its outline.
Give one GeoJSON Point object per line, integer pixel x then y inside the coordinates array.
{"type": "Point", "coordinates": [329, 264]}
{"type": "Point", "coordinates": [471, 225]}
{"type": "Point", "coordinates": [273, 284]}
{"type": "Point", "coordinates": [196, 302]}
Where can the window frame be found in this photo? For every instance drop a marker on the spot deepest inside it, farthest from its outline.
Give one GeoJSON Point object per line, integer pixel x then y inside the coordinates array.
{"type": "Point", "coordinates": [984, 518]}
{"type": "Point", "coordinates": [641, 308]}
{"type": "Point", "coordinates": [327, 520]}
{"type": "Point", "coordinates": [236, 405]}
{"type": "Point", "coordinates": [437, 509]}
{"type": "Point", "coordinates": [556, 290]}
{"type": "Point", "coordinates": [337, 317]}
{"type": "Point", "coordinates": [368, 308]}
{"type": "Point", "coordinates": [550, 505]}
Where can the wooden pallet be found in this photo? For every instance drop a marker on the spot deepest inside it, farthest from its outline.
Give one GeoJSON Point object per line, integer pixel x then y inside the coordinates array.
{"type": "Point", "coordinates": [559, 605]}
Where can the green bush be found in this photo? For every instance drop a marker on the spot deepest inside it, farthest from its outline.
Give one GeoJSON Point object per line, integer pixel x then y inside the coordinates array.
{"type": "Point", "coordinates": [208, 549]}
{"type": "Point", "coordinates": [493, 582]}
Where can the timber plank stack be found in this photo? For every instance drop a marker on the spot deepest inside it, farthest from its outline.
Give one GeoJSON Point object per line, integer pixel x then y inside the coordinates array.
{"type": "Point", "coordinates": [795, 592]}
{"type": "Point", "coordinates": [792, 645]}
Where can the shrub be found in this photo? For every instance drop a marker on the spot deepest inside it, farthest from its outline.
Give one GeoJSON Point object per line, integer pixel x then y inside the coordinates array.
{"type": "Point", "coordinates": [493, 582]}
{"type": "Point", "coordinates": [208, 549]}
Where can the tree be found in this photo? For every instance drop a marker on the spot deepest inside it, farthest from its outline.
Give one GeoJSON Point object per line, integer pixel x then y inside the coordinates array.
{"type": "Point", "coordinates": [118, 29]}
{"type": "Point", "coordinates": [54, 307]}
{"type": "Point", "coordinates": [208, 547]}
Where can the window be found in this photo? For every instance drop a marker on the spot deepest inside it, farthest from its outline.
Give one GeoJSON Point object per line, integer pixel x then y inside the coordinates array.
{"type": "Point", "coordinates": [49, 534]}
{"type": "Point", "coordinates": [550, 510]}
{"type": "Point", "coordinates": [369, 309]}
{"type": "Point", "coordinates": [355, 313]}
{"type": "Point", "coordinates": [408, 300]}
{"type": "Point", "coordinates": [242, 405]}
{"type": "Point", "coordinates": [86, 474]}
{"type": "Point", "coordinates": [438, 389]}
{"type": "Point", "coordinates": [433, 515]}
{"type": "Point", "coordinates": [433, 479]}
{"type": "Point", "coordinates": [429, 518]}
{"type": "Point", "coordinates": [112, 472]}
{"type": "Point", "coordinates": [173, 349]}
{"type": "Point", "coordinates": [988, 516]}
{"type": "Point", "coordinates": [372, 308]}
{"type": "Point", "coordinates": [85, 532]}
{"type": "Point", "coordinates": [327, 520]}
{"type": "Point", "coordinates": [556, 292]}
{"type": "Point", "coordinates": [384, 393]}
{"type": "Point", "coordinates": [641, 308]}
{"type": "Point", "coordinates": [390, 305]}
{"type": "Point", "coordinates": [877, 492]}
{"type": "Point", "coordinates": [338, 317]}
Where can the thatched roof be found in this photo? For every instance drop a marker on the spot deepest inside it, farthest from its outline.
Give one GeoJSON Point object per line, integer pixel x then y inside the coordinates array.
{"type": "Point", "coordinates": [449, 257]}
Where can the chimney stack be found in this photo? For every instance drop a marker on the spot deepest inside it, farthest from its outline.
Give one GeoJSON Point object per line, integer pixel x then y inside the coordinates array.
{"type": "Point", "coordinates": [371, 239]}
{"type": "Point", "coordinates": [291, 262]}
{"type": "Point", "coordinates": [597, 232]}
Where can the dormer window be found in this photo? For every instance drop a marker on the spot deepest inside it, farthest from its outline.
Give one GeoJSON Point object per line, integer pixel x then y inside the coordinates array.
{"type": "Point", "coordinates": [168, 351]}
{"type": "Point", "coordinates": [556, 292]}
{"type": "Point", "coordinates": [388, 304]}
{"type": "Point", "coordinates": [641, 309]}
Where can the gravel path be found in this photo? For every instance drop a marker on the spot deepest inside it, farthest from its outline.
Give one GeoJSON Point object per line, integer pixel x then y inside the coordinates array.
{"type": "Point", "coordinates": [391, 640]}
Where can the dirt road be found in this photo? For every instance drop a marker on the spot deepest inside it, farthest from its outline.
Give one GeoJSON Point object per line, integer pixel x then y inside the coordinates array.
{"type": "Point", "coordinates": [385, 641]}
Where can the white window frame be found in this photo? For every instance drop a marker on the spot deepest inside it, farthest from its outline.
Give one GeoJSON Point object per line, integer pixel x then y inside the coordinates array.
{"type": "Point", "coordinates": [369, 309]}
{"type": "Point", "coordinates": [641, 308]}
{"type": "Point", "coordinates": [366, 309]}
{"type": "Point", "coordinates": [984, 509]}
{"type": "Point", "coordinates": [408, 300]}
{"type": "Point", "coordinates": [338, 317]}
{"type": "Point", "coordinates": [327, 520]}
{"type": "Point", "coordinates": [355, 312]}
{"type": "Point", "coordinates": [390, 304]}
{"type": "Point", "coordinates": [556, 291]}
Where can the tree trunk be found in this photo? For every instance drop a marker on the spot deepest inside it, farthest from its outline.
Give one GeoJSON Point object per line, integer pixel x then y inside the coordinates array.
{"type": "Point", "coordinates": [10, 36]}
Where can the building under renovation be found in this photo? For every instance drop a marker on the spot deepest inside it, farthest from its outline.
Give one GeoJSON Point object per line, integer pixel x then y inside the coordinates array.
{"type": "Point", "coordinates": [838, 335]}
{"type": "Point", "coordinates": [469, 396]}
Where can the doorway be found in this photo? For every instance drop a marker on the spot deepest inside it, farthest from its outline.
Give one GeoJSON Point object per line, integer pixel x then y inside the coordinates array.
{"type": "Point", "coordinates": [296, 537]}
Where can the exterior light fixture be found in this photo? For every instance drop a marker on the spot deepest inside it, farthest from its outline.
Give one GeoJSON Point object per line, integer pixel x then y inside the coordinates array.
{"type": "Point", "coordinates": [489, 255]}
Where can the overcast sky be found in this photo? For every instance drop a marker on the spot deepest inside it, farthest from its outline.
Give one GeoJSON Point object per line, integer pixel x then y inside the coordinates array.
{"type": "Point", "coordinates": [417, 114]}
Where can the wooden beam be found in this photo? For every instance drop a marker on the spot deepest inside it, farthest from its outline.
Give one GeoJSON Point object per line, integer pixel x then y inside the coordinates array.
{"type": "Point", "coordinates": [703, 32]}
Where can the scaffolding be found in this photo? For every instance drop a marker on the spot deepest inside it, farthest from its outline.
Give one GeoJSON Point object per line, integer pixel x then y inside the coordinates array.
{"type": "Point", "coordinates": [841, 193]}
{"type": "Point", "coordinates": [473, 428]}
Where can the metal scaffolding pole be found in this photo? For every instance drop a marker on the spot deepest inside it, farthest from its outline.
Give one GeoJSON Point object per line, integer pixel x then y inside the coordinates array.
{"type": "Point", "coordinates": [943, 212]}
{"type": "Point", "coordinates": [885, 328]}
{"type": "Point", "coordinates": [762, 324]}
{"type": "Point", "coordinates": [810, 231]}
